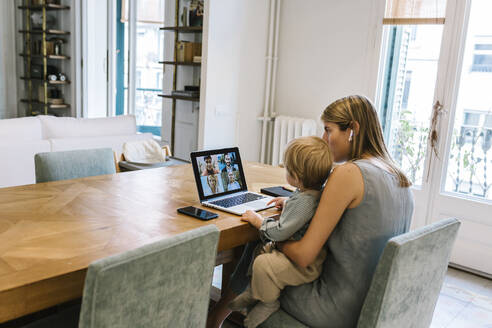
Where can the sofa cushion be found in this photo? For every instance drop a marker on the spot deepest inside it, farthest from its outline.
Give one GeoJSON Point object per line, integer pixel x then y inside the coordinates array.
{"type": "Point", "coordinates": [19, 129]}
{"type": "Point", "coordinates": [114, 142]}
{"type": "Point", "coordinates": [69, 127]}
{"type": "Point", "coordinates": [17, 164]}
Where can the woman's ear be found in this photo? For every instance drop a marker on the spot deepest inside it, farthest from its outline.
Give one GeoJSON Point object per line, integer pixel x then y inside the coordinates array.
{"type": "Point", "coordinates": [355, 127]}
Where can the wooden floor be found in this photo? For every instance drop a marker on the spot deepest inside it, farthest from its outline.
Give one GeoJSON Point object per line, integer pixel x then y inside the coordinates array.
{"type": "Point", "coordinates": [465, 302]}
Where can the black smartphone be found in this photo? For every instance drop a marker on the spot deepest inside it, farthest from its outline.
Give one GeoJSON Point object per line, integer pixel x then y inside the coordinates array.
{"type": "Point", "coordinates": [197, 213]}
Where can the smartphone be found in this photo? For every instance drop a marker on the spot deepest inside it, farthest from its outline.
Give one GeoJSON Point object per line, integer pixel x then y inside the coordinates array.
{"type": "Point", "coordinates": [197, 213]}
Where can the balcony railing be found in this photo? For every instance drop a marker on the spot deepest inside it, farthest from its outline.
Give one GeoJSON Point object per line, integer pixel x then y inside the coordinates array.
{"type": "Point", "coordinates": [469, 170]}
{"type": "Point", "coordinates": [470, 162]}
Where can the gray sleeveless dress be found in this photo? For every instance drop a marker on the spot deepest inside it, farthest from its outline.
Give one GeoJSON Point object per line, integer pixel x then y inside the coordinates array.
{"type": "Point", "coordinates": [354, 247]}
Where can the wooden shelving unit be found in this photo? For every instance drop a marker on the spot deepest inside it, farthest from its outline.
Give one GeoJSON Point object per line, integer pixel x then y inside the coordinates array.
{"type": "Point", "coordinates": [183, 29]}
{"type": "Point", "coordinates": [47, 32]}
{"type": "Point", "coordinates": [59, 57]}
{"type": "Point", "coordinates": [39, 87]}
{"type": "Point", "coordinates": [43, 80]}
{"type": "Point", "coordinates": [176, 29]}
{"type": "Point", "coordinates": [180, 63]}
{"type": "Point", "coordinates": [51, 106]}
{"type": "Point", "coordinates": [176, 97]}
{"type": "Point", "coordinates": [48, 6]}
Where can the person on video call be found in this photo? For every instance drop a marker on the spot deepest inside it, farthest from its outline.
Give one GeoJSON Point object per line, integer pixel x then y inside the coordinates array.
{"type": "Point", "coordinates": [213, 183]}
{"type": "Point", "coordinates": [229, 167]}
{"type": "Point", "coordinates": [210, 168]}
{"type": "Point", "coordinates": [233, 184]}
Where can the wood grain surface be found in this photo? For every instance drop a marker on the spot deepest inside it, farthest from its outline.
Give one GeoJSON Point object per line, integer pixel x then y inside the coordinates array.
{"type": "Point", "coordinates": [50, 232]}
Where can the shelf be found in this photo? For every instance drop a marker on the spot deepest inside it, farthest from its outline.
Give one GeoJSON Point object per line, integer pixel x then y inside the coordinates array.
{"type": "Point", "coordinates": [180, 63]}
{"type": "Point", "coordinates": [49, 82]}
{"type": "Point", "coordinates": [183, 29]}
{"type": "Point", "coordinates": [180, 97]}
{"type": "Point", "coordinates": [60, 57]}
{"type": "Point", "coordinates": [51, 106]}
{"type": "Point", "coordinates": [37, 81]}
{"type": "Point", "coordinates": [50, 32]}
{"type": "Point", "coordinates": [49, 6]}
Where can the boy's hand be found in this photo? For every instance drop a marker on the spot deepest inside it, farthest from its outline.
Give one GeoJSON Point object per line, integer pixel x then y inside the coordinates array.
{"type": "Point", "coordinates": [253, 218]}
{"type": "Point", "coordinates": [279, 202]}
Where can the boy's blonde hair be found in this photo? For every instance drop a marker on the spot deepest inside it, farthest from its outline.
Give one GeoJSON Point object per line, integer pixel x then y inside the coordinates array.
{"type": "Point", "coordinates": [308, 159]}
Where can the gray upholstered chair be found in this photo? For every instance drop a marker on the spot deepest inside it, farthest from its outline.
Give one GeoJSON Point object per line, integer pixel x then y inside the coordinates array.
{"type": "Point", "coordinates": [163, 284]}
{"type": "Point", "coordinates": [406, 283]}
{"type": "Point", "coordinates": [73, 164]}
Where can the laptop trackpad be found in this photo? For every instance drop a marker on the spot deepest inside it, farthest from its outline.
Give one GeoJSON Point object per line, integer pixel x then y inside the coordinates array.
{"type": "Point", "coordinates": [257, 204]}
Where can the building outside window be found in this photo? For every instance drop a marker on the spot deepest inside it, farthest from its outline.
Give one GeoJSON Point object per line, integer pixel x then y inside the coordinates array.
{"type": "Point", "coordinates": [409, 77]}
{"type": "Point", "coordinates": [405, 106]}
{"type": "Point", "coordinates": [482, 55]}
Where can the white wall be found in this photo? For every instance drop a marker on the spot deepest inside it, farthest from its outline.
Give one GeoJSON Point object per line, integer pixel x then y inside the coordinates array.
{"type": "Point", "coordinates": [95, 45]}
{"type": "Point", "coordinates": [328, 49]}
{"type": "Point", "coordinates": [8, 79]}
{"type": "Point", "coordinates": [236, 46]}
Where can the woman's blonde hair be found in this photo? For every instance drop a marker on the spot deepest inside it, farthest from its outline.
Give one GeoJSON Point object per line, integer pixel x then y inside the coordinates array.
{"type": "Point", "coordinates": [369, 141]}
{"type": "Point", "coordinates": [308, 159]}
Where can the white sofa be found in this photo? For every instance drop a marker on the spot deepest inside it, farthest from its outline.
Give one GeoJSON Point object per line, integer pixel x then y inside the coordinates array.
{"type": "Point", "coordinates": [22, 138]}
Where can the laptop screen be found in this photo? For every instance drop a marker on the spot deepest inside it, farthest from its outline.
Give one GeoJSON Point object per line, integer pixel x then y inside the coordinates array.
{"type": "Point", "coordinates": [218, 172]}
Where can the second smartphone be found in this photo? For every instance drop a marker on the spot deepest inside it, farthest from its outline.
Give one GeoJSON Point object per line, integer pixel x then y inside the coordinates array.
{"type": "Point", "coordinates": [197, 213]}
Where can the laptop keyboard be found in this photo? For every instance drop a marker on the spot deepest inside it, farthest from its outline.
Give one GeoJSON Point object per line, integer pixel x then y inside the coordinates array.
{"type": "Point", "coordinates": [237, 200]}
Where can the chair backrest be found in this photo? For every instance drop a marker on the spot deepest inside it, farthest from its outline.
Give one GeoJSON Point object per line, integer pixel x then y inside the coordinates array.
{"type": "Point", "coordinates": [163, 284]}
{"type": "Point", "coordinates": [73, 164]}
{"type": "Point", "coordinates": [408, 278]}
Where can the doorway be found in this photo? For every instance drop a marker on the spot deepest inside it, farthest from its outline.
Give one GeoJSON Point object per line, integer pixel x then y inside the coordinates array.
{"type": "Point", "coordinates": [435, 80]}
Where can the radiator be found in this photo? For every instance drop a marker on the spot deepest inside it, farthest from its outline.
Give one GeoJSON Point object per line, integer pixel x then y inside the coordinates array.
{"type": "Point", "coordinates": [287, 128]}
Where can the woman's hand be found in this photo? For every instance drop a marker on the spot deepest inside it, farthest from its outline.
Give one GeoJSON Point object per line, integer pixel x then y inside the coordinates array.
{"type": "Point", "coordinates": [279, 202]}
{"type": "Point", "coordinates": [253, 218]}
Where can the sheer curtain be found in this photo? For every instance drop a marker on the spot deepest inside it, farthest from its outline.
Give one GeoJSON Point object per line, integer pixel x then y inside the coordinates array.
{"type": "Point", "coordinates": [8, 78]}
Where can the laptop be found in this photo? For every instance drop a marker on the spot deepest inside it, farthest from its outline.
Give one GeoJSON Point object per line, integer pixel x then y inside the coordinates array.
{"type": "Point", "coordinates": [221, 184]}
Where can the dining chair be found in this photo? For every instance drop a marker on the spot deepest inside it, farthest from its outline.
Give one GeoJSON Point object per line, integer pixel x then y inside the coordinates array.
{"type": "Point", "coordinates": [73, 164]}
{"type": "Point", "coordinates": [162, 284]}
{"type": "Point", "coordinates": [407, 281]}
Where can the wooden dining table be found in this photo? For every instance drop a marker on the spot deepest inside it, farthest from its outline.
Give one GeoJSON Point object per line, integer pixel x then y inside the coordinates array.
{"type": "Point", "coordinates": [51, 232]}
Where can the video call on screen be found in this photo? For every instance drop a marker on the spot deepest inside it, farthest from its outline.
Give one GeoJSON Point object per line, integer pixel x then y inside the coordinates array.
{"type": "Point", "coordinates": [219, 173]}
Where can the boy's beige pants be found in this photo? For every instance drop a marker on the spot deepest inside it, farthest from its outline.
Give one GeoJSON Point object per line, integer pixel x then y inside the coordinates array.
{"type": "Point", "coordinates": [272, 271]}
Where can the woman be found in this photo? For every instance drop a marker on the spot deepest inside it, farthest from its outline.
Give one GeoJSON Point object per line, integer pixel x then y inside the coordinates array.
{"type": "Point", "coordinates": [365, 202]}
{"type": "Point", "coordinates": [213, 181]}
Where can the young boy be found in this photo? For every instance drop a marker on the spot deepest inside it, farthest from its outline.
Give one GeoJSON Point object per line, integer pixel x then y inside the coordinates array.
{"type": "Point", "coordinates": [308, 163]}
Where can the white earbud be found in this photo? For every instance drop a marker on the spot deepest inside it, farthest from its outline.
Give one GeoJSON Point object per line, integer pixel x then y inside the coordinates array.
{"type": "Point", "coordinates": [351, 135]}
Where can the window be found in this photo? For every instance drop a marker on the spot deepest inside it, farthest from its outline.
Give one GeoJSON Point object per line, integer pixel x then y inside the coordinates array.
{"type": "Point", "coordinates": [482, 63]}
{"type": "Point", "coordinates": [482, 54]}
{"type": "Point", "coordinates": [469, 162]}
{"type": "Point", "coordinates": [488, 121]}
{"type": "Point", "coordinates": [471, 118]}
{"type": "Point", "coordinates": [406, 89]}
{"type": "Point", "coordinates": [147, 52]}
{"type": "Point", "coordinates": [410, 71]}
